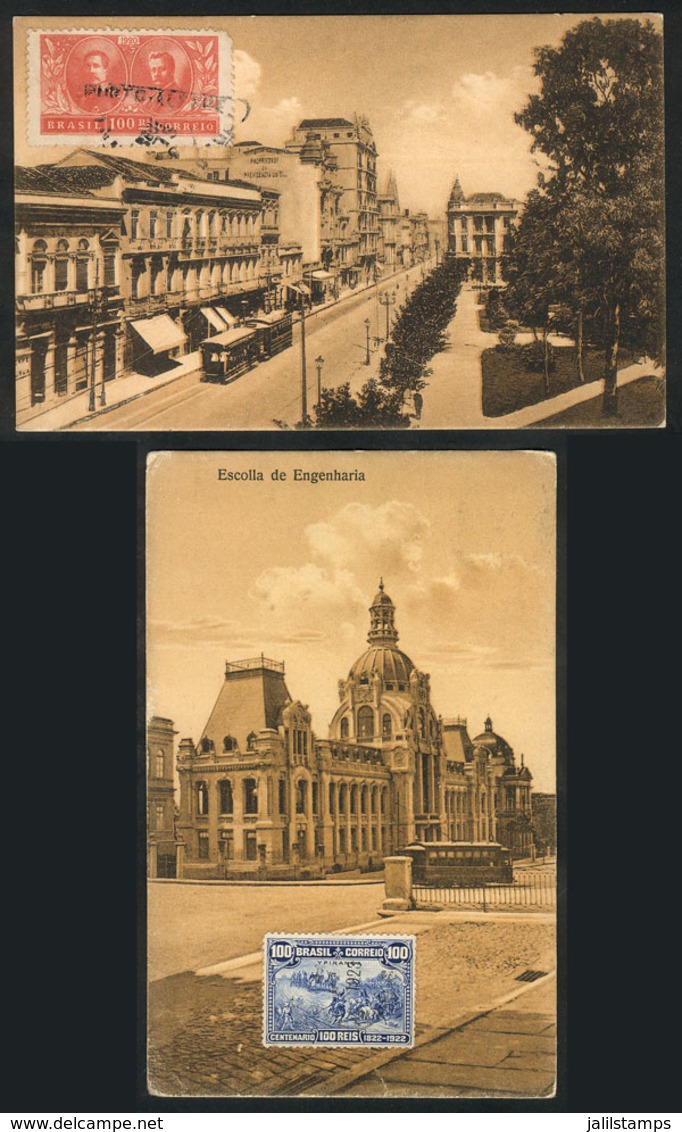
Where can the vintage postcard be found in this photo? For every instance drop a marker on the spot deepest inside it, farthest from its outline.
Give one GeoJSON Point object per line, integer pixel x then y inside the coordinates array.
{"type": "Point", "coordinates": [405, 230]}
{"type": "Point", "coordinates": [351, 788]}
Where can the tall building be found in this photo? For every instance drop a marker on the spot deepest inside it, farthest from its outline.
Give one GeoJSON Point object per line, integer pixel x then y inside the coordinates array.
{"type": "Point", "coordinates": [352, 146]}
{"type": "Point", "coordinates": [124, 264]}
{"type": "Point", "coordinates": [544, 823]}
{"type": "Point", "coordinates": [309, 196]}
{"type": "Point", "coordinates": [389, 220]}
{"type": "Point", "coordinates": [478, 231]}
{"type": "Point", "coordinates": [68, 285]}
{"type": "Point", "coordinates": [261, 793]}
{"type": "Point", "coordinates": [161, 840]}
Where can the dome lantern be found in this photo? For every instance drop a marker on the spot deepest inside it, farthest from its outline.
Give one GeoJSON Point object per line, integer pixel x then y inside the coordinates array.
{"type": "Point", "coordinates": [382, 630]}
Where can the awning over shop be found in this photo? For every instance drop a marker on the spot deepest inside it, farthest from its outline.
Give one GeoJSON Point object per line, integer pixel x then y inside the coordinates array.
{"type": "Point", "coordinates": [228, 319]}
{"type": "Point", "coordinates": [213, 318]}
{"type": "Point", "coordinates": [322, 275]}
{"type": "Point", "coordinates": [299, 288]}
{"type": "Point", "coordinates": [160, 333]}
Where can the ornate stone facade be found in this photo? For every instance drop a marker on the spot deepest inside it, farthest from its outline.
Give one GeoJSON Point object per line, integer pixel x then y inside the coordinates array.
{"type": "Point", "coordinates": [260, 793]}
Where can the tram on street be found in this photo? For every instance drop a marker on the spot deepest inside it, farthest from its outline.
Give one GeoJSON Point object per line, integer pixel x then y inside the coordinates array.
{"type": "Point", "coordinates": [228, 355]}
{"type": "Point", "coordinates": [448, 864]}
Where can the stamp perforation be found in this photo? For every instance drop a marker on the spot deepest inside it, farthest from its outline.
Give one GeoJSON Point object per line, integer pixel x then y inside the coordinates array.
{"type": "Point", "coordinates": [361, 1009]}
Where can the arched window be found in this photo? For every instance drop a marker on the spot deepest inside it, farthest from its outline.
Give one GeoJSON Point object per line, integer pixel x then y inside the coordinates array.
{"type": "Point", "coordinates": [332, 798]}
{"type": "Point", "coordinates": [301, 795]}
{"type": "Point", "coordinates": [365, 723]}
{"type": "Point", "coordinates": [250, 796]}
{"type": "Point", "coordinates": [386, 728]}
{"type": "Point", "coordinates": [422, 723]}
{"type": "Point", "coordinates": [83, 266]}
{"type": "Point", "coordinates": [61, 266]}
{"type": "Point", "coordinates": [343, 798]}
{"type": "Point", "coordinates": [38, 266]}
{"type": "Point", "coordinates": [202, 798]}
{"type": "Point", "coordinates": [160, 764]}
{"type": "Point", "coordinates": [225, 796]}
{"type": "Point", "coordinates": [229, 744]}
{"type": "Point", "coordinates": [251, 741]}
{"type": "Point", "coordinates": [344, 727]}
{"type": "Point", "coordinates": [353, 799]}
{"type": "Point", "coordinates": [206, 746]}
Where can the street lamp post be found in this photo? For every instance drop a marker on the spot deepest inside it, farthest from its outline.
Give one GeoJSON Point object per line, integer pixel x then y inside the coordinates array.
{"type": "Point", "coordinates": [367, 358]}
{"type": "Point", "coordinates": [304, 377]}
{"type": "Point", "coordinates": [387, 300]}
{"type": "Point", "coordinates": [96, 306]}
{"type": "Point", "coordinates": [319, 362]}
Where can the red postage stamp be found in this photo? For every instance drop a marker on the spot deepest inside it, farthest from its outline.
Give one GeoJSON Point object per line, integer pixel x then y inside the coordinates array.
{"type": "Point", "coordinates": [114, 83]}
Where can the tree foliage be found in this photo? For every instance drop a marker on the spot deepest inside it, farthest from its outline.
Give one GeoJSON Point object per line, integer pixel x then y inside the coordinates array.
{"type": "Point", "coordinates": [592, 235]}
{"type": "Point", "coordinates": [374, 407]}
{"type": "Point", "coordinates": [418, 333]}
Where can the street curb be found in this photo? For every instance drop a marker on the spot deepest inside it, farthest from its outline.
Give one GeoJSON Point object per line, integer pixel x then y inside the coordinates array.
{"type": "Point", "coordinates": [254, 957]}
{"type": "Point", "coordinates": [268, 883]}
{"type": "Point", "coordinates": [349, 1076]}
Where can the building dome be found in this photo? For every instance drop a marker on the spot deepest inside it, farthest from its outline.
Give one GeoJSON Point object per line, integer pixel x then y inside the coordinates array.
{"type": "Point", "coordinates": [495, 743]}
{"type": "Point", "coordinates": [390, 663]}
{"type": "Point", "coordinates": [383, 656]}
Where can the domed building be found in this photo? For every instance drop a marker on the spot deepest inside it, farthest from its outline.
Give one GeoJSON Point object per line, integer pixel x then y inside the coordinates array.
{"type": "Point", "coordinates": [260, 793]}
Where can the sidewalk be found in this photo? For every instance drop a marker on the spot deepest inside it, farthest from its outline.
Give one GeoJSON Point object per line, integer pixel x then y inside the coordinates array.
{"type": "Point", "coordinates": [483, 1031]}
{"type": "Point", "coordinates": [130, 386]}
{"type": "Point", "coordinates": [453, 395]}
{"type": "Point", "coordinates": [509, 1051]}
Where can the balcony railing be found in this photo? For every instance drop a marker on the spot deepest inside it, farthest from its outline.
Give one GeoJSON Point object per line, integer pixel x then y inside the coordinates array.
{"type": "Point", "coordinates": [196, 245]}
{"type": "Point", "coordinates": [47, 300]}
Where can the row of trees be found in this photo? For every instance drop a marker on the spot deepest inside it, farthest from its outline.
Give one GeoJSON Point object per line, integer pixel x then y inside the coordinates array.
{"type": "Point", "coordinates": [418, 333]}
{"type": "Point", "coordinates": [590, 243]}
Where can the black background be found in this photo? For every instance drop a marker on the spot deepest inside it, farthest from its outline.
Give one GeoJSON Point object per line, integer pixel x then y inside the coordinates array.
{"type": "Point", "coordinates": [73, 722]}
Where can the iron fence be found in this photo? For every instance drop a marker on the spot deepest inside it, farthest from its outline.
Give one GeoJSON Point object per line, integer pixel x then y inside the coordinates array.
{"type": "Point", "coordinates": [539, 891]}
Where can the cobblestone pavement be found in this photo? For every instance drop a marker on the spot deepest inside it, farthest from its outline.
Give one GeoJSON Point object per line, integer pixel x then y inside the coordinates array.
{"type": "Point", "coordinates": [507, 1052]}
{"type": "Point", "coordinates": [206, 1032]}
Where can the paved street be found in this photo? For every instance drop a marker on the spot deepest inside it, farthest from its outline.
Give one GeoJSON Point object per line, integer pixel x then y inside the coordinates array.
{"type": "Point", "coordinates": [271, 391]}
{"type": "Point", "coordinates": [205, 1029]}
{"type": "Point", "coordinates": [196, 925]}
{"type": "Point", "coordinates": [507, 1052]}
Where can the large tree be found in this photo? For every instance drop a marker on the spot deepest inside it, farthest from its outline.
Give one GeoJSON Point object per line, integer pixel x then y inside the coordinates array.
{"type": "Point", "coordinates": [598, 118]}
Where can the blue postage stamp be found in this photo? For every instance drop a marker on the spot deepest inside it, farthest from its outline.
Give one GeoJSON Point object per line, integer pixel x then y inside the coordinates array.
{"type": "Point", "coordinates": [339, 990]}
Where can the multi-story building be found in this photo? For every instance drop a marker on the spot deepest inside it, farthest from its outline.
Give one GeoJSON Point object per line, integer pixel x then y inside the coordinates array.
{"type": "Point", "coordinates": [420, 237]}
{"type": "Point", "coordinates": [309, 207]}
{"type": "Point", "coordinates": [125, 264]}
{"type": "Point", "coordinates": [389, 220]}
{"type": "Point", "coordinates": [544, 823]}
{"type": "Point", "coordinates": [261, 792]}
{"type": "Point", "coordinates": [352, 146]}
{"type": "Point", "coordinates": [68, 278]}
{"type": "Point", "coordinates": [161, 840]}
{"type": "Point", "coordinates": [437, 239]}
{"type": "Point", "coordinates": [479, 227]}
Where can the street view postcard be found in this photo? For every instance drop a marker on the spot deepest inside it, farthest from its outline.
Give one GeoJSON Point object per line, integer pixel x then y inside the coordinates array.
{"type": "Point", "coordinates": [339, 222]}
{"type": "Point", "coordinates": [351, 788]}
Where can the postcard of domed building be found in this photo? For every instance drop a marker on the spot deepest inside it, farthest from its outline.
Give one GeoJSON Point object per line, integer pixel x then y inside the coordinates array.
{"type": "Point", "coordinates": [429, 222]}
{"type": "Point", "coordinates": [351, 772]}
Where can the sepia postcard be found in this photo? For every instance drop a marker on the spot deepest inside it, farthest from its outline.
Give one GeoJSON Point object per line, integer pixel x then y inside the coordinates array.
{"type": "Point", "coordinates": [339, 222]}
{"type": "Point", "coordinates": [351, 774]}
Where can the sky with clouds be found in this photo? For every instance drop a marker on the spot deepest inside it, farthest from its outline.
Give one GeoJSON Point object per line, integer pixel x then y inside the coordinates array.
{"type": "Point", "coordinates": [439, 91]}
{"type": "Point", "coordinates": [465, 543]}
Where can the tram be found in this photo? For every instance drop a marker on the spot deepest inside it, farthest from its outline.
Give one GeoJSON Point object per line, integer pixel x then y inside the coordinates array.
{"type": "Point", "coordinates": [449, 864]}
{"type": "Point", "coordinates": [228, 355]}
